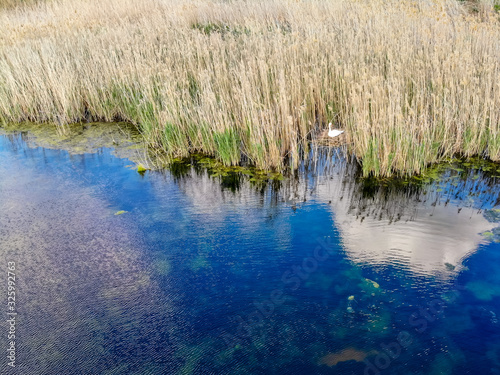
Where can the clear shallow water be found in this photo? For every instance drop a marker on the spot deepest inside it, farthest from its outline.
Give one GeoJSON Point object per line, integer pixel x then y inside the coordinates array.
{"type": "Point", "coordinates": [322, 274]}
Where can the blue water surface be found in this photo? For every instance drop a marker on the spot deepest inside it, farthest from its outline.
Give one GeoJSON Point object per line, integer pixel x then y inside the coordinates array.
{"type": "Point", "coordinates": [321, 273]}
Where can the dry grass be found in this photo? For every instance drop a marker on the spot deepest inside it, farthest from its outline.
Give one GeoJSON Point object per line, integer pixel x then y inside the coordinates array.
{"type": "Point", "coordinates": [412, 82]}
{"type": "Point", "coordinates": [10, 4]}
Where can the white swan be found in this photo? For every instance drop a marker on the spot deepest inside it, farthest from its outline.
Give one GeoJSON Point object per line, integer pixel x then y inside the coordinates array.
{"type": "Point", "coordinates": [333, 132]}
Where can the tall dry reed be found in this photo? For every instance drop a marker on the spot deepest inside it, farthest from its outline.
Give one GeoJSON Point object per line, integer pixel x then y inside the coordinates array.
{"type": "Point", "coordinates": [412, 82]}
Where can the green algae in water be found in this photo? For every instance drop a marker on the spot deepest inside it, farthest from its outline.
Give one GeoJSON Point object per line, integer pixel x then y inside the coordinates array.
{"type": "Point", "coordinates": [369, 286]}
{"type": "Point", "coordinates": [141, 169]}
{"type": "Point", "coordinates": [162, 267]}
{"type": "Point", "coordinates": [437, 173]}
{"type": "Point", "coordinates": [449, 266]}
{"type": "Point", "coordinates": [483, 290]}
{"type": "Point", "coordinates": [374, 283]}
{"type": "Point", "coordinates": [492, 235]}
{"type": "Point", "coordinates": [194, 355]}
{"type": "Point", "coordinates": [450, 296]}
{"type": "Point", "coordinates": [493, 215]}
{"type": "Point", "coordinates": [379, 323]}
{"type": "Point", "coordinates": [226, 355]}
{"type": "Point", "coordinates": [83, 138]}
{"type": "Point", "coordinates": [199, 263]}
{"type": "Point", "coordinates": [353, 273]}
{"type": "Point", "coordinates": [230, 175]}
{"type": "Point", "coordinates": [121, 212]}
{"type": "Point", "coordinates": [458, 321]}
{"type": "Point", "coordinates": [487, 234]}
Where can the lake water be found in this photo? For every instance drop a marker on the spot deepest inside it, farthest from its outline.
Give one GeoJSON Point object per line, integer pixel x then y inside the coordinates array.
{"type": "Point", "coordinates": [322, 273]}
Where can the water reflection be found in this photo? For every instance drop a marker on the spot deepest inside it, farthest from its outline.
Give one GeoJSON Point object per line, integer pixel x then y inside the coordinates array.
{"type": "Point", "coordinates": [427, 229]}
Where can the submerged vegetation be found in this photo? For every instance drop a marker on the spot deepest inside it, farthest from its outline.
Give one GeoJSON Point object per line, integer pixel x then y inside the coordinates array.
{"type": "Point", "coordinates": [411, 82]}
{"type": "Point", "coordinates": [123, 138]}
{"type": "Point", "coordinates": [448, 171]}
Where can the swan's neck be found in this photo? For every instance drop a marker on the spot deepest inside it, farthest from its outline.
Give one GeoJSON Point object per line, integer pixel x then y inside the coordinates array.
{"type": "Point", "coordinates": [330, 126]}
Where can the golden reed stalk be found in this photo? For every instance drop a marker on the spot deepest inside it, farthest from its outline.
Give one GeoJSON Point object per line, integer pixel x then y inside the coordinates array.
{"type": "Point", "coordinates": [412, 82]}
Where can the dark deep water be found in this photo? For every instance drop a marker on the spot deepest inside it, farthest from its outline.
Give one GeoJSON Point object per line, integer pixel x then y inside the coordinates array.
{"type": "Point", "coordinates": [320, 275]}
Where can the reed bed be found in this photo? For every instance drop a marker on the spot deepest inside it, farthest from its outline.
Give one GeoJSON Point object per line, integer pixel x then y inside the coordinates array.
{"type": "Point", "coordinates": [6, 4]}
{"type": "Point", "coordinates": [411, 82]}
